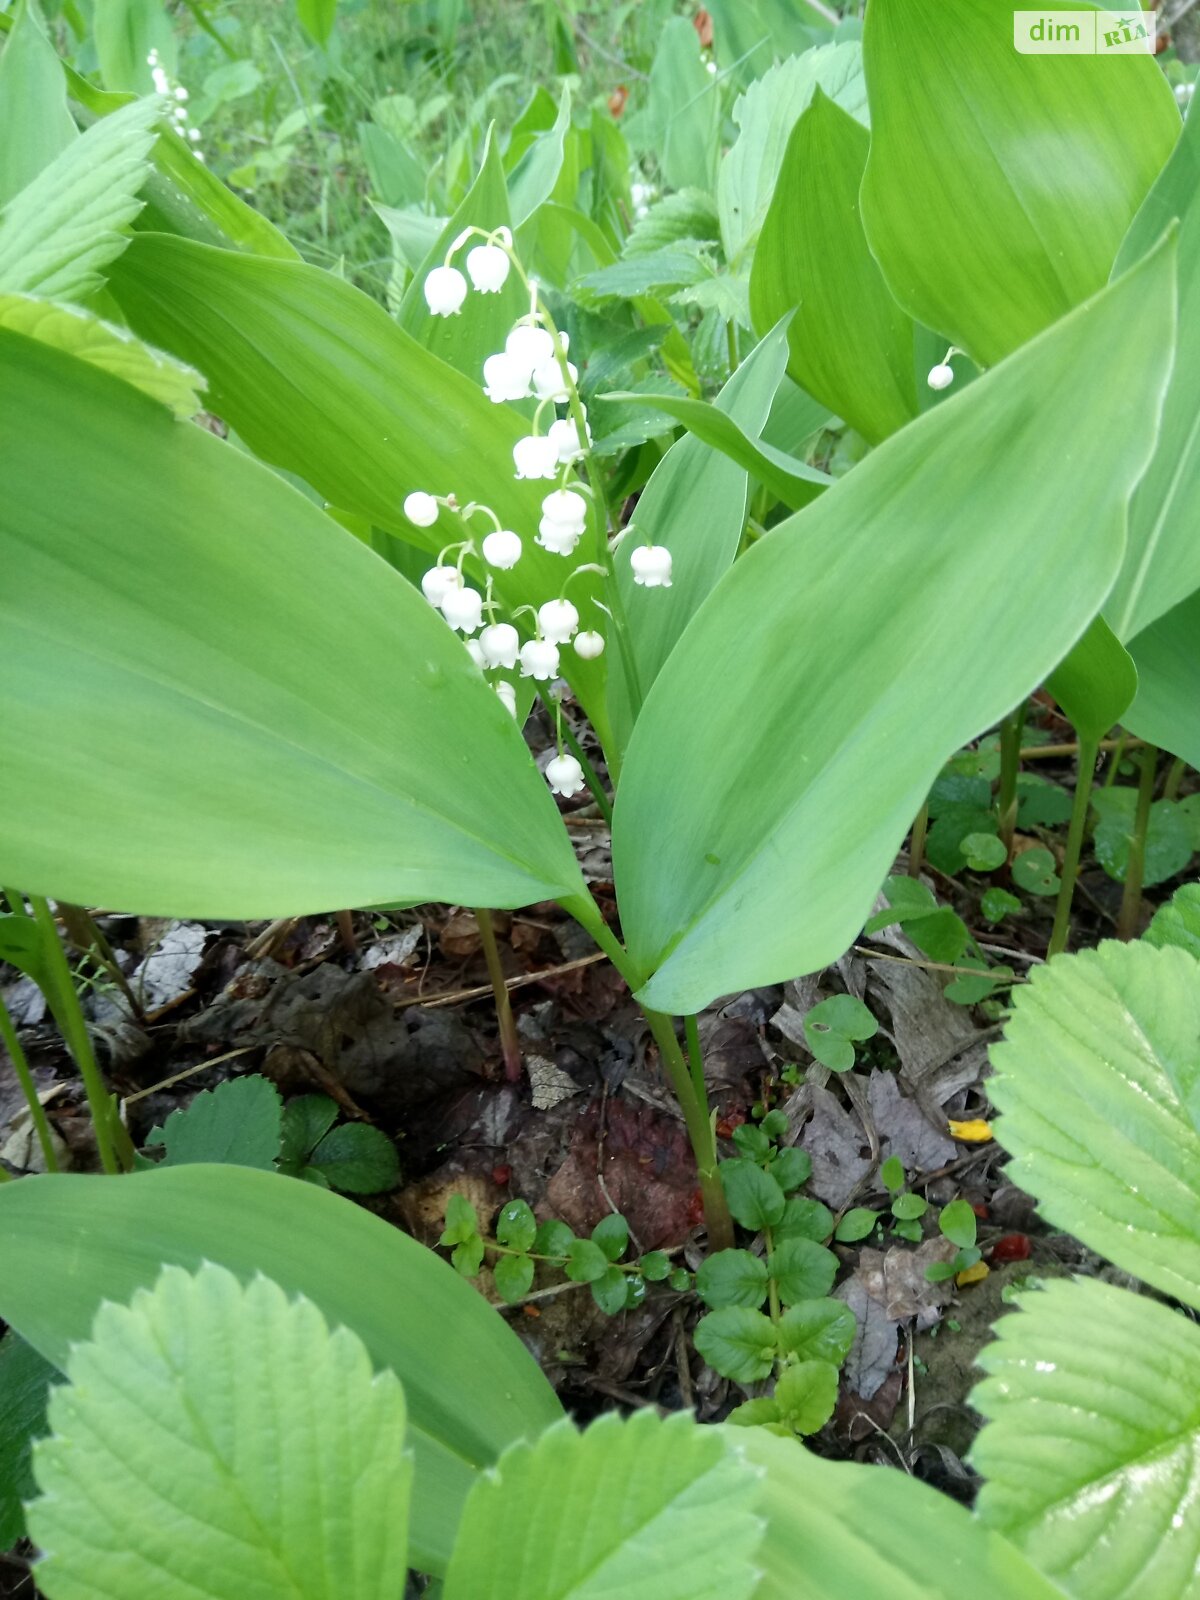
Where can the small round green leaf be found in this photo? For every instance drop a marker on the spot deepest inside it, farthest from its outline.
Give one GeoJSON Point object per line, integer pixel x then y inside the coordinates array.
{"type": "Point", "coordinates": [654, 1266]}
{"type": "Point", "coordinates": [1035, 871]}
{"type": "Point", "coordinates": [611, 1233]}
{"type": "Point", "coordinates": [732, 1278]}
{"type": "Point", "coordinates": [461, 1222]}
{"type": "Point", "coordinates": [775, 1125]}
{"type": "Point", "coordinates": [553, 1238]}
{"type": "Point", "coordinates": [752, 1141]}
{"type": "Point", "coordinates": [984, 852]}
{"type": "Point", "coordinates": [958, 1222]}
{"type": "Point", "coordinates": [357, 1159]}
{"type": "Point", "coordinates": [513, 1276]}
{"type": "Point", "coordinates": [856, 1224]}
{"type": "Point", "coordinates": [738, 1343]}
{"type": "Point", "coordinates": [790, 1168]}
{"type": "Point", "coordinates": [802, 1270]}
{"type": "Point", "coordinates": [586, 1262]}
{"type": "Point", "coordinates": [806, 1395]}
{"type": "Point", "coordinates": [803, 1219]}
{"type": "Point", "coordinates": [891, 1173]}
{"type": "Point", "coordinates": [908, 1207]}
{"type": "Point", "coordinates": [609, 1290]}
{"type": "Point", "coordinates": [755, 1198]}
{"type": "Point", "coordinates": [467, 1258]}
{"type": "Point", "coordinates": [996, 904]}
{"type": "Point", "coordinates": [516, 1226]}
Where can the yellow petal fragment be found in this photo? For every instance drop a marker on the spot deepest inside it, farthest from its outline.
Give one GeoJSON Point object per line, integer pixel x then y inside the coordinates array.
{"type": "Point", "coordinates": [977, 1132]}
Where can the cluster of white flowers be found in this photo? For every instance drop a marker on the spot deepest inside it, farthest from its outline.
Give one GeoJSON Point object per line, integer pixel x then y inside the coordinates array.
{"type": "Point", "coordinates": [177, 93]}
{"type": "Point", "coordinates": [532, 365]}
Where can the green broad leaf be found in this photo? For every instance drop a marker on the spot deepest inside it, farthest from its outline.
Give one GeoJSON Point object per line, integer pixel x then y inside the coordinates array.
{"type": "Point", "coordinates": [356, 1159]}
{"type": "Point", "coordinates": [858, 1222]}
{"type": "Point", "coordinates": [1178, 922]}
{"type": "Point", "coordinates": [803, 1219]}
{"type": "Point", "coordinates": [645, 1508]}
{"type": "Point", "coordinates": [238, 1122]}
{"type": "Point", "coordinates": [938, 931]}
{"type": "Point", "coordinates": [462, 1224]}
{"type": "Point", "coordinates": [1000, 184]}
{"type": "Point", "coordinates": [554, 1238]}
{"type": "Point", "coordinates": [610, 1291]}
{"type": "Point", "coordinates": [124, 33]}
{"type": "Point", "coordinates": [806, 1395]}
{"type": "Point", "coordinates": [480, 329]}
{"type": "Point", "coordinates": [1165, 710]}
{"type": "Point", "coordinates": [695, 504]}
{"type": "Point", "coordinates": [1035, 871]}
{"type": "Point", "coordinates": [764, 818]}
{"type": "Point", "coordinates": [318, 379]}
{"type": "Point", "coordinates": [467, 1258]}
{"type": "Point", "coordinates": [792, 482]}
{"type": "Point", "coordinates": [323, 780]}
{"type": "Point", "coordinates": [1169, 844]}
{"type": "Point", "coordinates": [687, 261]}
{"type": "Point", "coordinates": [1096, 682]}
{"type": "Point", "coordinates": [850, 343]}
{"type": "Point", "coordinates": [113, 349]}
{"type": "Point", "coordinates": [752, 1141]}
{"type": "Point", "coordinates": [984, 852]}
{"type": "Point", "coordinates": [22, 945]}
{"type": "Point", "coordinates": [35, 124]}
{"type": "Point", "coordinates": [1088, 1454]}
{"type": "Point", "coordinates": [732, 1278]}
{"type": "Point", "coordinates": [738, 1343]}
{"type": "Point", "coordinates": [958, 1222]}
{"type": "Point", "coordinates": [755, 1198]}
{"type": "Point", "coordinates": [611, 1233]}
{"type": "Point", "coordinates": [908, 1207]}
{"type": "Point", "coordinates": [306, 1121]}
{"type": "Point", "coordinates": [774, 1124]}
{"type": "Point", "coordinates": [233, 1417]}
{"type": "Point", "coordinates": [682, 118]}
{"type": "Point", "coordinates": [25, 1382]}
{"type": "Point", "coordinates": [533, 179]}
{"type": "Point", "coordinates": [891, 1173]}
{"type": "Point", "coordinates": [802, 1270]}
{"type": "Point", "coordinates": [817, 1330]}
{"type": "Point", "coordinates": [753, 1413]}
{"type": "Point", "coordinates": [1041, 803]}
{"type": "Point", "coordinates": [831, 1025]}
{"type": "Point", "coordinates": [996, 904]}
{"type": "Point", "coordinates": [1162, 565]}
{"type": "Point", "coordinates": [790, 1168]}
{"type": "Point", "coordinates": [513, 1277]}
{"type": "Point", "coordinates": [70, 1242]}
{"type": "Point", "coordinates": [317, 18]}
{"type": "Point", "coordinates": [72, 220]}
{"type": "Point", "coordinates": [823, 1534]}
{"type": "Point", "coordinates": [1097, 1082]}
{"type": "Point", "coordinates": [765, 116]}
{"type": "Point", "coordinates": [516, 1226]}
{"type": "Point", "coordinates": [586, 1262]}
{"type": "Point", "coordinates": [689, 214]}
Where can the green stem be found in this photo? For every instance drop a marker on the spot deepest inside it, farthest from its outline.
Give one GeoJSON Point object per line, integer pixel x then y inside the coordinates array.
{"type": "Point", "coordinates": [916, 847]}
{"type": "Point", "coordinates": [510, 1044]}
{"type": "Point", "coordinates": [691, 1095]}
{"type": "Point", "coordinates": [1174, 778]}
{"type": "Point", "coordinates": [64, 1002]}
{"type": "Point", "coordinates": [1118, 756]}
{"type": "Point", "coordinates": [16, 902]}
{"type": "Point", "coordinates": [590, 776]}
{"type": "Point", "coordinates": [37, 1112]}
{"type": "Point", "coordinates": [1131, 900]}
{"type": "Point", "coordinates": [773, 1304]}
{"type": "Point", "coordinates": [1010, 767]}
{"type": "Point", "coordinates": [1088, 751]}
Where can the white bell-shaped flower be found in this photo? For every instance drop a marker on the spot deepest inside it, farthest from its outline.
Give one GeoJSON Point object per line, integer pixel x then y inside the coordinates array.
{"type": "Point", "coordinates": [549, 383]}
{"type": "Point", "coordinates": [502, 549]}
{"type": "Point", "coordinates": [475, 651]}
{"type": "Point", "coordinates": [445, 291]}
{"type": "Point", "coordinates": [488, 267]}
{"type": "Point", "coordinates": [566, 439]}
{"type": "Point", "coordinates": [463, 609]}
{"type": "Point", "coordinates": [565, 775]}
{"type": "Point", "coordinates": [651, 566]}
{"type": "Point", "coordinates": [539, 659]}
{"type": "Point", "coordinates": [504, 378]}
{"type": "Point", "coordinates": [499, 642]}
{"type": "Point", "coordinates": [421, 508]}
{"type": "Point", "coordinates": [567, 509]}
{"type": "Point", "coordinates": [558, 620]}
{"type": "Point", "coordinates": [558, 539]}
{"type": "Point", "coordinates": [589, 644]}
{"type": "Point", "coordinates": [507, 697]}
{"type": "Point", "coordinates": [941, 376]}
{"type": "Point", "coordinates": [438, 582]}
{"type": "Point", "coordinates": [529, 345]}
{"type": "Point", "coordinates": [536, 456]}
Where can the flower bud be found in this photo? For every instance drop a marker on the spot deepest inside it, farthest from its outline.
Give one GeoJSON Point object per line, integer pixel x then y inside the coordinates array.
{"type": "Point", "coordinates": [536, 457]}
{"type": "Point", "coordinates": [529, 346]}
{"type": "Point", "coordinates": [558, 620]}
{"type": "Point", "coordinates": [421, 509]}
{"type": "Point", "coordinates": [504, 378]}
{"type": "Point", "coordinates": [463, 609]}
{"type": "Point", "coordinates": [589, 644]}
{"type": "Point", "coordinates": [539, 659]}
{"type": "Point", "coordinates": [651, 566]}
{"type": "Point", "coordinates": [507, 696]}
{"type": "Point", "coordinates": [549, 383]}
{"type": "Point", "coordinates": [566, 439]}
{"type": "Point", "coordinates": [499, 642]}
{"type": "Point", "coordinates": [488, 267]}
{"type": "Point", "coordinates": [567, 509]}
{"type": "Point", "coordinates": [502, 549]}
{"type": "Point", "coordinates": [445, 291]}
{"type": "Point", "coordinates": [565, 775]}
{"type": "Point", "coordinates": [941, 376]}
{"type": "Point", "coordinates": [438, 582]}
